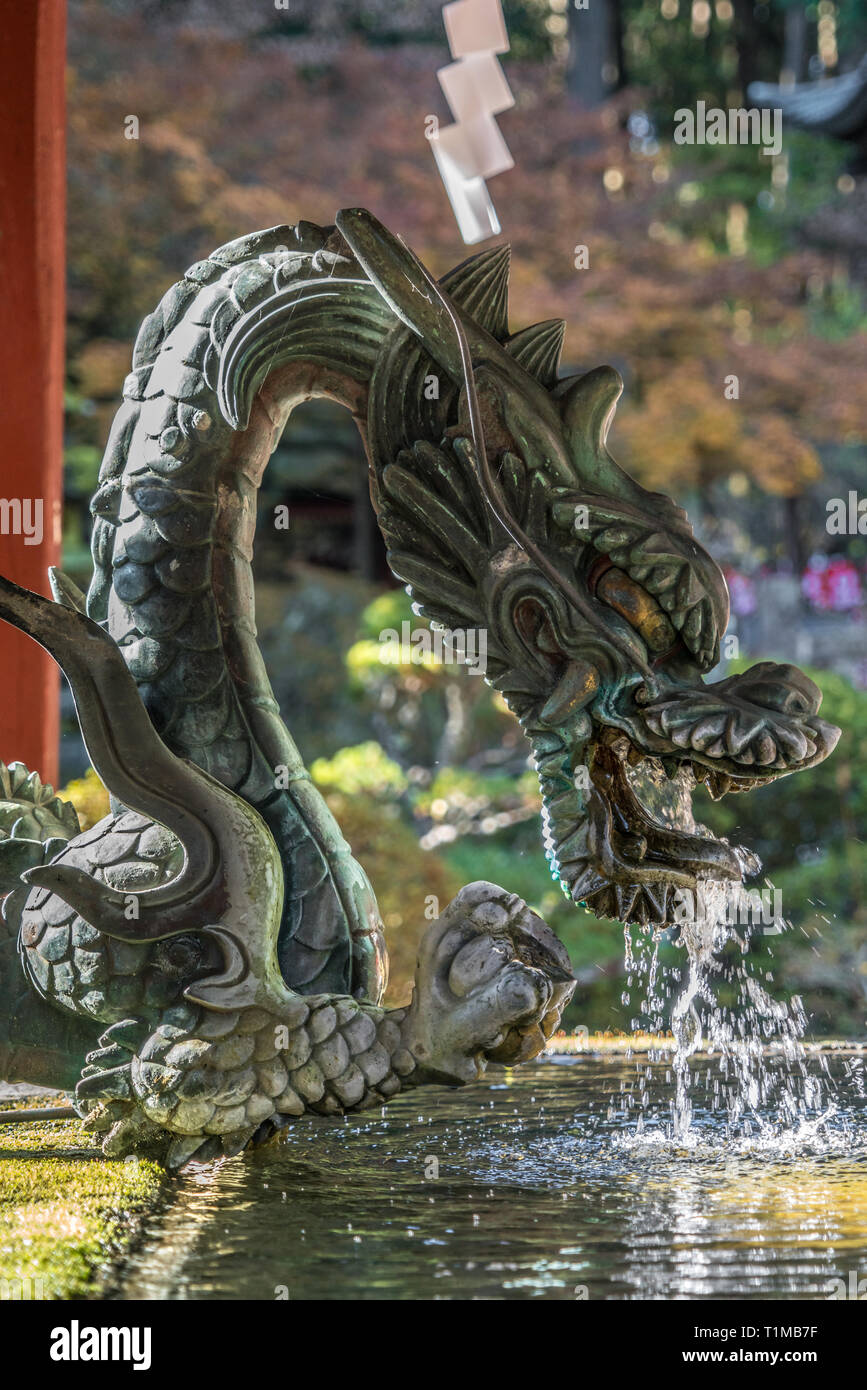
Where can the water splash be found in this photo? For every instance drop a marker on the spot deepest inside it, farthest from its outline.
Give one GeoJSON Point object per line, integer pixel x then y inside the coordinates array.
{"type": "Point", "coordinates": [772, 1093]}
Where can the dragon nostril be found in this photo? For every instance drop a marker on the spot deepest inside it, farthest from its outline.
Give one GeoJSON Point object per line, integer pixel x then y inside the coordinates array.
{"type": "Point", "coordinates": [179, 956]}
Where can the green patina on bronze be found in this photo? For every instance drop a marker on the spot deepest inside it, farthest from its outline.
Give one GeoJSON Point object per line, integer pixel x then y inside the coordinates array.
{"type": "Point", "coordinates": [502, 510]}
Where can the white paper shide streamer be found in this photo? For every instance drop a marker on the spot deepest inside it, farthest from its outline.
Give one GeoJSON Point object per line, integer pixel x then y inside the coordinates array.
{"type": "Point", "coordinates": [472, 149]}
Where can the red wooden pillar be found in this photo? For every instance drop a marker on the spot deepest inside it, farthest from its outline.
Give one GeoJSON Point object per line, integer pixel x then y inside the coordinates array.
{"type": "Point", "coordinates": [32, 277]}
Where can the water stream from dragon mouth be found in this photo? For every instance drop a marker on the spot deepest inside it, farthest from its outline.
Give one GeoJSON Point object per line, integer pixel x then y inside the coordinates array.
{"type": "Point", "coordinates": [766, 1082]}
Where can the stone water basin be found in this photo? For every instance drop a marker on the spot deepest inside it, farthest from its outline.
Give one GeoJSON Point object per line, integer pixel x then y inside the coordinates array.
{"type": "Point", "coordinates": [530, 1184]}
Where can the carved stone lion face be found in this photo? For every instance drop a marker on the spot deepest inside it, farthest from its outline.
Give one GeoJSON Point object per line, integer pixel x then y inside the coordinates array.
{"type": "Point", "coordinates": [492, 981]}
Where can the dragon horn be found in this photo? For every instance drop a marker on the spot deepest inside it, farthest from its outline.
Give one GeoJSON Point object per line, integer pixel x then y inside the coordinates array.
{"type": "Point", "coordinates": [425, 307]}
{"type": "Point", "coordinates": [405, 286]}
{"type": "Point", "coordinates": [133, 761]}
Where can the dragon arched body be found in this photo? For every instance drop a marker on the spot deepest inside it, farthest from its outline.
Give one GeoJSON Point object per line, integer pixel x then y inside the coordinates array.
{"type": "Point", "coordinates": [173, 538]}
{"type": "Point", "coordinates": [502, 509]}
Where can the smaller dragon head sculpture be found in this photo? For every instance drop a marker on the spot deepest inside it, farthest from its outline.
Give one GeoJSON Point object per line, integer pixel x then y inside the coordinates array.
{"type": "Point", "coordinates": [492, 981]}
{"type": "Point", "coordinates": [504, 510]}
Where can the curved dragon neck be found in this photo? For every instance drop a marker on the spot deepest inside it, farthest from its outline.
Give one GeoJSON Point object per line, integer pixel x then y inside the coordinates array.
{"type": "Point", "coordinates": [263, 324]}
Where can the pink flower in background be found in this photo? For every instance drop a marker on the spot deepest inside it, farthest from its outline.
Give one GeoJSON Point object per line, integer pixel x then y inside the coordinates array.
{"type": "Point", "coordinates": [832, 584]}
{"type": "Point", "coordinates": [743, 593]}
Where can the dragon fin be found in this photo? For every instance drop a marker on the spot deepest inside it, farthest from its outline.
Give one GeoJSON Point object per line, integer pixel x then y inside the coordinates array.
{"type": "Point", "coordinates": [480, 285]}
{"type": "Point", "coordinates": [538, 349]}
{"type": "Point", "coordinates": [587, 405]}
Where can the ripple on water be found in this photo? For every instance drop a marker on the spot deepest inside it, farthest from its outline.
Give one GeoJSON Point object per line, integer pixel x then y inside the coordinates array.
{"type": "Point", "coordinates": [535, 1185]}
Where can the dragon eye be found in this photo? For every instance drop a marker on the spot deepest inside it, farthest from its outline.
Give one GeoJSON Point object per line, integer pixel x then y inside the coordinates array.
{"type": "Point", "coordinates": [640, 610]}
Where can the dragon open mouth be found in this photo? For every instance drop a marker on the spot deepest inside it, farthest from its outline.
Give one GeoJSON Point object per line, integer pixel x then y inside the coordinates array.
{"type": "Point", "coordinates": [619, 829]}
{"type": "Point", "coordinates": [625, 840]}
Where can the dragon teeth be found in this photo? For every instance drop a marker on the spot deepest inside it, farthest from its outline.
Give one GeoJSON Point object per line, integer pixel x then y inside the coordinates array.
{"type": "Point", "coordinates": [587, 882]}
{"type": "Point", "coordinates": [562, 805]}
{"type": "Point", "coordinates": [574, 848]}
{"type": "Point", "coordinates": [795, 743]}
{"type": "Point", "coordinates": [626, 895]}
{"type": "Point", "coordinates": [551, 766]}
{"type": "Point", "coordinates": [689, 589]}
{"type": "Point", "coordinates": [735, 736]}
{"type": "Point", "coordinates": [616, 536]}
{"type": "Point", "coordinates": [706, 731]}
{"type": "Point", "coordinates": [692, 625]}
{"type": "Point", "coordinates": [658, 544]}
{"type": "Point", "coordinates": [662, 578]}
{"type": "Point", "coordinates": [765, 750]}
{"type": "Point", "coordinates": [553, 791]}
{"type": "Point", "coordinates": [657, 897]}
{"type": "Point", "coordinates": [545, 742]}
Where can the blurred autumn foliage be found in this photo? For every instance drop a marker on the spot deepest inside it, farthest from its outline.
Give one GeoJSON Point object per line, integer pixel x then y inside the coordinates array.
{"type": "Point", "coordinates": [235, 133]}
{"type": "Point", "coordinates": [688, 436]}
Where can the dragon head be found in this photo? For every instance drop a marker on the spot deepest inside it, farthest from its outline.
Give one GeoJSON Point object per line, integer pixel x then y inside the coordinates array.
{"type": "Point", "coordinates": [504, 511]}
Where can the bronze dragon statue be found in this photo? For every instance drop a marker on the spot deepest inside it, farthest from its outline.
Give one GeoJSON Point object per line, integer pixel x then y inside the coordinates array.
{"type": "Point", "coordinates": [208, 961]}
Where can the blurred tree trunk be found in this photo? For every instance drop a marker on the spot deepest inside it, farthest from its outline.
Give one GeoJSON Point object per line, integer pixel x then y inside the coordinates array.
{"type": "Point", "coordinates": [758, 35]}
{"type": "Point", "coordinates": [746, 36]}
{"type": "Point", "coordinates": [795, 534]}
{"type": "Point", "coordinates": [595, 67]}
{"type": "Point", "coordinates": [795, 53]}
{"type": "Point", "coordinates": [452, 748]}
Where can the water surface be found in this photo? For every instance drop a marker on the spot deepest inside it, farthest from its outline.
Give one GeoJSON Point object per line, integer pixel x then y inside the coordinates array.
{"type": "Point", "coordinates": [533, 1184]}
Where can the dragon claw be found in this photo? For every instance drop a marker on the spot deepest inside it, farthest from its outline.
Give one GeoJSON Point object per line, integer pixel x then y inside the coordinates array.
{"type": "Point", "coordinates": [115, 1084]}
